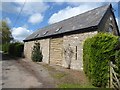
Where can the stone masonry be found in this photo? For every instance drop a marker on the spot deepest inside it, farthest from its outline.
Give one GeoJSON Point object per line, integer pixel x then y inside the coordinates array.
{"type": "Point", "coordinates": [67, 50]}
{"type": "Point", "coordinates": [53, 50]}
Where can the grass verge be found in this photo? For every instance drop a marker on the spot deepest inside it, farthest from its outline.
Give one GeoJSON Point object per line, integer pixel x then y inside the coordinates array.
{"type": "Point", "coordinates": [67, 78]}
{"type": "Point", "coordinates": [75, 86]}
{"type": "Point", "coordinates": [59, 75]}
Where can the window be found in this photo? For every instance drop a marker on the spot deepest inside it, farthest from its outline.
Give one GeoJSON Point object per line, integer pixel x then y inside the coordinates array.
{"type": "Point", "coordinates": [45, 32]}
{"type": "Point", "coordinates": [58, 29]}
{"type": "Point", "coordinates": [36, 35]}
{"type": "Point", "coordinates": [76, 53]}
{"type": "Point", "coordinates": [110, 29]}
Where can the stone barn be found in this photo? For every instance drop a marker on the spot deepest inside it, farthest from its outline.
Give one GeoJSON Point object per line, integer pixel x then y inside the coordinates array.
{"type": "Point", "coordinates": [62, 42]}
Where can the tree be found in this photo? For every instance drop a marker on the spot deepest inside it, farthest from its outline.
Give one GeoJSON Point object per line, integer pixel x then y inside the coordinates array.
{"type": "Point", "coordinates": [6, 33]}
{"type": "Point", "coordinates": [36, 53]}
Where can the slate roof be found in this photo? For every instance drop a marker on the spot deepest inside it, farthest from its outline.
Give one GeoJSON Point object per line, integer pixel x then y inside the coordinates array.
{"type": "Point", "coordinates": [88, 19]}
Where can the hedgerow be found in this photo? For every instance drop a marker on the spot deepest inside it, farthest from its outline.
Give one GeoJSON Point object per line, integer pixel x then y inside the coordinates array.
{"type": "Point", "coordinates": [5, 47]}
{"type": "Point", "coordinates": [19, 49]}
{"type": "Point", "coordinates": [98, 51]}
{"type": "Point", "coordinates": [16, 49]}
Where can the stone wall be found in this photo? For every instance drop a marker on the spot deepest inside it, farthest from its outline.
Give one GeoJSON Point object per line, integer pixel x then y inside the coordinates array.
{"type": "Point", "coordinates": [44, 44]}
{"type": "Point", "coordinates": [28, 49]}
{"type": "Point", "coordinates": [66, 51]}
{"type": "Point", "coordinates": [56, 51]}
{"type": "Point", "coordinates": [73, 50]}
{"type": "Point", "coordinates": [108, 21]}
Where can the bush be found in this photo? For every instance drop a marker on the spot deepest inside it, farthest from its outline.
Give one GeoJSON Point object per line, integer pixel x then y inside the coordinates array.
{"type": "Point", "coordinates": [11, 49]}
{"type": "Point", "coordinates": [97, 52]}
{"type": "Point", "coordinates": [19, 49]}
{"type": "Point", "coordinates": [0, 47]}
{"type": "Point", "coordinates": [36, 53]}
{"type": "Point", "coordinates": [117, 58]}
{"type": "Point", "coordinates": [16, 49]}
{"type": "Point", "coordinates": [5, 48]}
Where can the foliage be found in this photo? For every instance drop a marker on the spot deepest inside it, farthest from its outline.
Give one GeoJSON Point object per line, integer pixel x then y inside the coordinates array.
{"type": "Point", "coordinates": [5, 47]}
{"type": "Point", "coordinates": [19, 49]}
{"type": "Point", "coordinates": [36, 53]}
{"type": "Point", "coordinates": [16, 49]}
{"type": "Point", "coordinates": [0, 47]}
{"type": "Point", "coordinates": [6, 33]}
{"type": "Point", "coordinates": [97, 52]}
{"type": "Point", "coordinates": [60, 75]}
{"type": "Point", "coordinates": [11, 49]}
{"type": "Point", "coordinates": [75, 86]}
{"type": "Point", "coordinates": [117, 58]}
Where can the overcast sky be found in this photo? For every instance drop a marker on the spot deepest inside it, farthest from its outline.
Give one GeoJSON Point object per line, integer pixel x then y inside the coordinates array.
{"type": "Point", "coordinates": [38, 14]}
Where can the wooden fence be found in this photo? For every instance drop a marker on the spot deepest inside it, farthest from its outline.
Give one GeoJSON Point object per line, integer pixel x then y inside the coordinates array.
{"type": "Point", "coordinates": [114, 77]}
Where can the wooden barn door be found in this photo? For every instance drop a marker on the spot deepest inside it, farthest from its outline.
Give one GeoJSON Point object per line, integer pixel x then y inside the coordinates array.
{"type": "Point", "coordinates": [56, 51]}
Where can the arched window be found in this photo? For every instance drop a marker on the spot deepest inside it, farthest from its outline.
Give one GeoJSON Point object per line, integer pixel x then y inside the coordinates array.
{"type": "Point", "coordinates": [110, 29]}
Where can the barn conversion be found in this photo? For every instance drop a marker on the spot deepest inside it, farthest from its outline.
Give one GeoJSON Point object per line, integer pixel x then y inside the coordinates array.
{"type": "Point", "coordinates": [62, 42]}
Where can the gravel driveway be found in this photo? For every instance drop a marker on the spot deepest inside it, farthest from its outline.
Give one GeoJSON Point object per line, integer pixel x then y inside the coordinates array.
{"type": "Point", "coordinates": [25, 74]}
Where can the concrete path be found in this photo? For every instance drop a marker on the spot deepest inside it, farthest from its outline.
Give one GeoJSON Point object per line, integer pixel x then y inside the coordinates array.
{"type": "Point", "coordinates": [25, 74]}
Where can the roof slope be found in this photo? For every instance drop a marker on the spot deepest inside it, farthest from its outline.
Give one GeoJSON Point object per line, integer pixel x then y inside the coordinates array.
{"type": "Point", "coordinates": [79, 22]}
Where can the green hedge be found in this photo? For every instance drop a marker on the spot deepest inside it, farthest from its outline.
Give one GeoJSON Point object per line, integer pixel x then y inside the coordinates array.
{"type": "Point", "coordinates": [16, 49]}
{"type": "Point", "coordinates": [97, 52]}
{"type": "Point", "coordinates": [11, 49]}
{"type": "Point", "coordinates": [0, 47]}
{"type": "Point", "coordinates": [5, 48]}
{"type": "Point", "coordinates": [117, 55]}
{"type": "Point", "coordinates": [19, 49]}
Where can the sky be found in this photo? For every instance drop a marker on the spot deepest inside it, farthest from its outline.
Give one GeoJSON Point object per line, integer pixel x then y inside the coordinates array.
{"type": "Point", "coordinates": [26, 16]}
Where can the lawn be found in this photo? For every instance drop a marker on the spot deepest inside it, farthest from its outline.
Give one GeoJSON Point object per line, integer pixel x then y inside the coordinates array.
{"type": "Point", "coordinates": [68, 78]}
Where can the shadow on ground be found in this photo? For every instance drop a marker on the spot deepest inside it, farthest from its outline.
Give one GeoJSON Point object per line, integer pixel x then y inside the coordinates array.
{"type": "Point", "coordinates": [7, 57]}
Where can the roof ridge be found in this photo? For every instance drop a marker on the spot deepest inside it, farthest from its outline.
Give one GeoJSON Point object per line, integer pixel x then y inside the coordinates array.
{"type": "Point", "coordinates": [82, 13]}
{"type": "Point", "coordinates": [67, 22]}
{"type": "Point", "coordinates": [74, 16]}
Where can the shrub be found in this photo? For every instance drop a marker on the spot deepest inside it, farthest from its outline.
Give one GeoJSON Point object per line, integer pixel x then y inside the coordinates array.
{"type": "Point", "coordinates": [16, 49]}
{"type": "Point", "coordinates": [11, 49]}
{"type": "Point", "coordinates": [19, 49]}
{"type": "Point", "coordinates": [97, 52]}
{"type": "Point", "coordinates": [0, 47]}
{"type": "Point", "coordinates": [5, 48]}
{"type": "Point", "coordinates": [117, 58]}
{"type": "Point", "coordinates": [36, 53]}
